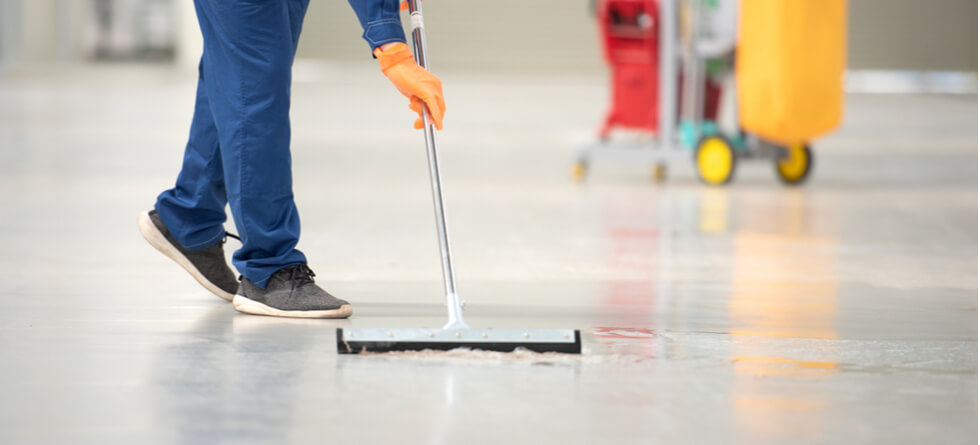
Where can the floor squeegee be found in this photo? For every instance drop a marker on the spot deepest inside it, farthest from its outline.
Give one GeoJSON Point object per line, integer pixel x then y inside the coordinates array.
{"type": "Point", "coordinates": [456, 333]}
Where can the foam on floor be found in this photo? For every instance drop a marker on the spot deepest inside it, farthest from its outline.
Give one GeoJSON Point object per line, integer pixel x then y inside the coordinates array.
{"type": "Point", "coordinates": [518, 356]}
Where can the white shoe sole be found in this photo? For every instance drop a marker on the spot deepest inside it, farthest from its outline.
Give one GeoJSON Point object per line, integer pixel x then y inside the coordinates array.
{"type": "Point", "coordinates": [157, 240]}
{"type": "Point", "coordinates": [248, 306]}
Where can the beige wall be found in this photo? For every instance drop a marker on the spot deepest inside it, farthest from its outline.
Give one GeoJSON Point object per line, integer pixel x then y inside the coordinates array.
{"type": "Point", "coordinates": [913, 34]}
{"type": "Point", "coordinates": [551, 36]}
{"type": "Point", "coordinates": [521, 35]}
{"type": "Point", "coordinates": [39, 27]}
{"type": "Point", "coordinates": [41, 31]}
{"type": "Point", "coordinates": [560, 35]}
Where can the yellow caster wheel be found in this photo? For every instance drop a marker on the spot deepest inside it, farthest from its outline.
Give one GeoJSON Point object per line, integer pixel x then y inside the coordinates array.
{"type": "Point", "coordinates": [579, 171]}
{"type": "Point", "coordinates": [715, 159]}
{"type": "Point", "coordinates": [795, 166]}
{"type": "Point", "coordinates": [658, 173]}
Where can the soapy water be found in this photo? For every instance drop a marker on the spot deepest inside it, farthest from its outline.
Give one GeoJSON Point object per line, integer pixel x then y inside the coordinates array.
{"type": "Point", "coordinates": [519, 356]}
{"type": "Point", "coordinates": [613, 346]}
{"type": "Point", "coordinates": [468, 354]}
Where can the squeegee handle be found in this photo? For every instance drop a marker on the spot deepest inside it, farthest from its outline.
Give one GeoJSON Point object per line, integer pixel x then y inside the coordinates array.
{"type": "Point", "coordinates": [419, 48]}
{"type": "Point", "coordinates": [453, 305]}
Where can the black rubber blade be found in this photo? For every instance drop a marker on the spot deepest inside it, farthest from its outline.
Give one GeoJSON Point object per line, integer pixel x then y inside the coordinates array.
{"type": "Point", "coordinates": [348, 345]}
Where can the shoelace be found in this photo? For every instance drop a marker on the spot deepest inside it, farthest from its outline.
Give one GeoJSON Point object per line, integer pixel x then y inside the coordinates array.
{"type": "Point", "coordinates": [300, 275]}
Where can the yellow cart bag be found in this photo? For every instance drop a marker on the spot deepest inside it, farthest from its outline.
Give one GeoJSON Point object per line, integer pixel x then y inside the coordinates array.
{"type": "Point", "coordinates": [790, 68]}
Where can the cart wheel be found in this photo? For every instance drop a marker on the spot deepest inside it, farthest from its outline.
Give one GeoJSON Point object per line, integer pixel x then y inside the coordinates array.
{"type": "Point", "coordinates": [658, 173]}
{"type": "Point", "coordinates": [579, 171]}
{"type": "Point", "coordinates": [715, 160]}
{"type": "Point", "coordinates": [795, 167]}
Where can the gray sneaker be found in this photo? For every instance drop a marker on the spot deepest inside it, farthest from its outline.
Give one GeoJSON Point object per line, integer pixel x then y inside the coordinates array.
{"type": "Point", "coordinates": [290, 292]}
{"type": "Point", "coordinates": [208, 265]}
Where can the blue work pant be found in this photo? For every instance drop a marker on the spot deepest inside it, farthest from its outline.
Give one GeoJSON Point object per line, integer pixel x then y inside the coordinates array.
{"type": "Point", "coordinates": [238, 150]}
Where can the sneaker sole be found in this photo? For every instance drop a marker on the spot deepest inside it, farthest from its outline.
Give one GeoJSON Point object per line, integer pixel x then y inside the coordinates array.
{"type": "Point", "coordinates": [248, 306]}
{"type": "Point", "coordinates": [156, 239]}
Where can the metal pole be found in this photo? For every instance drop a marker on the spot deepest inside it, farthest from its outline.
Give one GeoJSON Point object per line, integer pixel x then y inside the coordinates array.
{"type": "Point", "coordinates": [698, 68]}
{"type": "Point", "coordinates": [668, 74]}
{"type": "Point", "coordinates": [691, 60]}
{"type": "Point", "coordinates": [453, 305]}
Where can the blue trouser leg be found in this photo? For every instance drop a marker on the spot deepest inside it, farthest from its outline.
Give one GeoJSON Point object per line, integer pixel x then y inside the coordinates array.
{"type": "Point", "coordinates": [248, 54]}
{"type": "Point", "coordinates": [194, 210]}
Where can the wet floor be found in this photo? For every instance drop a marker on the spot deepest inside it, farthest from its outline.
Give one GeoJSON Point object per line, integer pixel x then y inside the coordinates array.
{"type": "Point", "coordinates": [843, 311]}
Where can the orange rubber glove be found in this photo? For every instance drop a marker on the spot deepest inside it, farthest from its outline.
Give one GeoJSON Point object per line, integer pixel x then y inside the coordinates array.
{"type": "Point", "coordinates": [403, 6]}
{"type": "Point", "coordinates": [417, 84]}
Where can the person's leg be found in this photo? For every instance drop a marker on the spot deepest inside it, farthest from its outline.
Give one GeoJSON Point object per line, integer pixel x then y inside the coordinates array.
{"type": "Point", "coordinates": [249, 50]}
{"type": "Point", "coordinates": [187, 223]}
{"type": "Point", "coordinates": [194, 210]}
{"type": "Point", "coordinates": [248, 53]}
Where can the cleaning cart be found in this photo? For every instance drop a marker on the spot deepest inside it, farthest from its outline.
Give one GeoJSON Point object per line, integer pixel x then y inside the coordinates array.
{"type": "Point", "coordinates": [680, 86]}
{"type": "Point", "coordinates": [790, 74]}
{"type": "Point", "coordinates": [639, 42]}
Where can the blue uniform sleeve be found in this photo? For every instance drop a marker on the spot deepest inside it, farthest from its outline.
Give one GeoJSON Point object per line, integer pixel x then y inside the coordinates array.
{"type": "Point", "coordinates": [380, 21]}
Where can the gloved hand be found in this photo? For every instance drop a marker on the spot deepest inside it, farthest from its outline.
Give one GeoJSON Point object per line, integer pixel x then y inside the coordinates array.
{"type": "Point", "coordinates": [417, 84]}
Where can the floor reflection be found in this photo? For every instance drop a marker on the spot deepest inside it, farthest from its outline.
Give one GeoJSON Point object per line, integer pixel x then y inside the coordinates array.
{"type": "Point", "coordinates": [632, 251]}
{"type": "Point", "coordinates": [771, 277]}
{"type": "Point", "coordinates": [231, 378]}
{"type": "Point", "coordinates": [784, 287]}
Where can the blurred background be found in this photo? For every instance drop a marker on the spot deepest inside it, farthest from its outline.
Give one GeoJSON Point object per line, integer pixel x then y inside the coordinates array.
{"type": "Point", "coordinates": [841, 309]}
{"type": "Point", "coordinates": [512, 36]}
{"type": "Point", "coordinates": [545, 36]}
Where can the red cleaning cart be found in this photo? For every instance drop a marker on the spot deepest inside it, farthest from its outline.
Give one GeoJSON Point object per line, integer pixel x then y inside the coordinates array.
{"type": "Point", "coordinates": [641, 50]}
{"type": "Point", "coordinates": [628, 29]}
